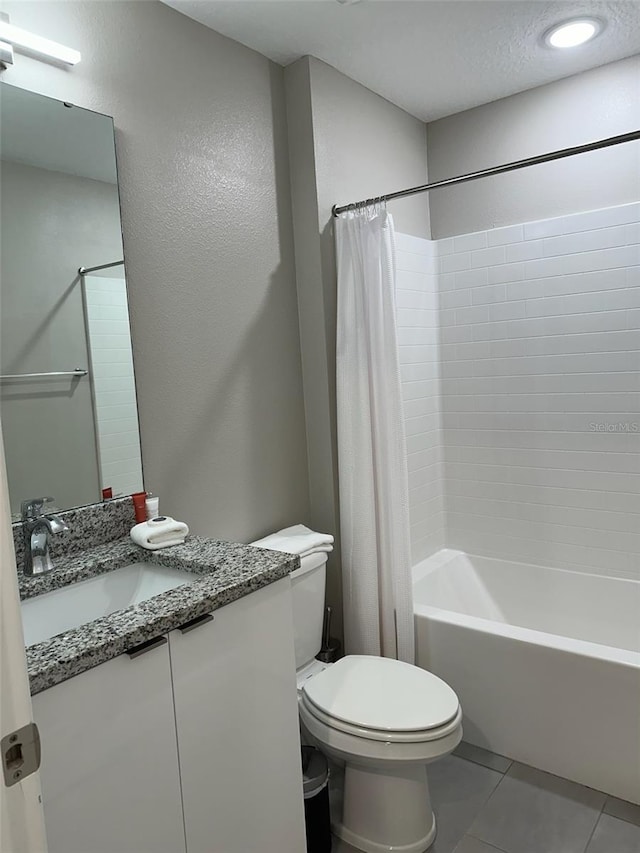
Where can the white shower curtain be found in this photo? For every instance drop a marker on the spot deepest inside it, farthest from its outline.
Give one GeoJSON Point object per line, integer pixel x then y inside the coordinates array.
{"type": "Point", "coordinates": [372, 469]}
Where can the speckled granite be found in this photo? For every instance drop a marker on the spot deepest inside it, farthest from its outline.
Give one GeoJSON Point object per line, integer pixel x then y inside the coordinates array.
{"type": "Point", "coordinates": [79, 567]}
{"type": "Point", "coordinates": [225, 572]}
{"type": "Point", "coordinates": [89, 526]}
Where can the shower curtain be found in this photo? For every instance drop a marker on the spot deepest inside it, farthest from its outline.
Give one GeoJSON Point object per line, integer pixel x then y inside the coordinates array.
{"type": "Point", "coordinates": [372, 469]}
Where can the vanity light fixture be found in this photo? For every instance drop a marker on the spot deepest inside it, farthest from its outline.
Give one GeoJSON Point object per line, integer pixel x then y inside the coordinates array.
{"type": "Point", "coordinates": [24, 40]}
{"type": "Point", "coordinates": [573, 32]}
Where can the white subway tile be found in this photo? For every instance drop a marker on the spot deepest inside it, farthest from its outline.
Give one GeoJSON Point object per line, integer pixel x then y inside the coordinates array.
{"type": "Point", "coordinates": [411, 243]}
{"type": "Point", "coordinates": [114, 427]}
{"type": "Point", "coordinates": [454, 299]}
{"type": "Point", "coordinates": [473, 314]}
{"type": "Point", "coordinates": [586, 241]}
{"type": "Point", "coordinates": [469, 242]}
{"type": "Point", "coordinates": [411, 390]}
{"type": "Point", "coordinates": [488, 257]}
{"type": "Point", "coordinates": [453, 263]}
{"type": "Point", "coordinates": [411, 280]}
{"type": "Point", "coordinates": [632, 233]}
{"type": "Point", "coordinates": [531, 395]}
{"type": "Point", "coordinates": [408, 336]}
{"type": "Point", "coordinates": [508, 234]}
{"type": "Point", "coordinates": [417, 372]}
{"type": "Point", "coordinates": [470, 278]}
{"type": "Point", "coordinates": [491, 294]}
{"type": "Point", "coordinates": [413, 262]}
{"type": "Point", "coordinates": [525, 251]}
{"type": "Point", "coordinates": [505, 273]}
{"type": "Point", "coordinates": [507, 311]}
{"type": "Point", "coordinates": [425, 300]}
{"type": "Point", "coordinates": [421, 406]}
{"type": "Point", "coordinates": [445, 246]}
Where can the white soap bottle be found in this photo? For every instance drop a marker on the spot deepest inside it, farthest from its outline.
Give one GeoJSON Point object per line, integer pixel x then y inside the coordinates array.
{"type": "Point", "coordinates": [152, 505]}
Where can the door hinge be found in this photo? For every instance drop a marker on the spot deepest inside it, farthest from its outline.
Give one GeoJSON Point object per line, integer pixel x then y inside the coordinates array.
{"type": "Point", "coordinates": [20, 754]}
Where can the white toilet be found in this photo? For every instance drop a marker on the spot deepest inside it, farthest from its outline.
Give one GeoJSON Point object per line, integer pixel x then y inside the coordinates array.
{"type": "Point", "coordinates": [383, 719]}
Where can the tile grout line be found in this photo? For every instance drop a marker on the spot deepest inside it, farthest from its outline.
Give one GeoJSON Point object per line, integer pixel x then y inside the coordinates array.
{"type": "Point", "coordinates": [595, 826]}
{"type": "Point", "coordinates": [486, 802]}
{"type": "Point", "coordinates": [487, 843]}
{"type": "Point", "coordinates": [485, 765]}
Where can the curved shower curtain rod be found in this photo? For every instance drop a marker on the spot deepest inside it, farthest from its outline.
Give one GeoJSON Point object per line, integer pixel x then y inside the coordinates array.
{"type": "Point", "coordinates": [494, 170]}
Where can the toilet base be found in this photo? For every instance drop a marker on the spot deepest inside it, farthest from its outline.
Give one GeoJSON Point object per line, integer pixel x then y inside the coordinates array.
{"type": "Point", "coordinates": [392, 807]}
{"type": "Point", "coordinates": [368, 846]}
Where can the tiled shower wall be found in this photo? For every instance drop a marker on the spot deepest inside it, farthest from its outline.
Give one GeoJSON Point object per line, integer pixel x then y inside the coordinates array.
{"type": "Point", "coordinates": [116, 411]}
{"type": "Point", "coordinates": [417, 306]}
{"type": "Point", "coordinates": [540, 392]}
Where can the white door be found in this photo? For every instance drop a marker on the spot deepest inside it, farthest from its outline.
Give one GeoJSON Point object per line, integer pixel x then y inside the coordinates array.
{"type": "Point", "coordinates": [21, 814]}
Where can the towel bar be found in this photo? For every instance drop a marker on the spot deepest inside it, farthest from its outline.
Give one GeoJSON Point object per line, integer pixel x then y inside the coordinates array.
{"type": "Point", "coordinates": [77, 372]}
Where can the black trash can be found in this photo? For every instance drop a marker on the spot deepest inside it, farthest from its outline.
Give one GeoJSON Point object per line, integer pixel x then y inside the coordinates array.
{"type": "Point", "coordinates": [315, 776]}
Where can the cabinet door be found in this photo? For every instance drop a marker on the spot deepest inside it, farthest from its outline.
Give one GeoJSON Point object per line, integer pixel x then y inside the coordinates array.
{"type": "Point", "coordinates": [110, 779]}
{"type": "Point", "coordinates": [237, 721]}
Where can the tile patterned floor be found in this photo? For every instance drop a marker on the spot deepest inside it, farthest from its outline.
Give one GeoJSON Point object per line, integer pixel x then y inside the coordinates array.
{"type": "Point", "coordinates": [485, 803]}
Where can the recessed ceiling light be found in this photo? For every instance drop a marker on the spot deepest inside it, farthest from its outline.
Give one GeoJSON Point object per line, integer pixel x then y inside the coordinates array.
{"type": "Point", "coordinates": [574, 32]}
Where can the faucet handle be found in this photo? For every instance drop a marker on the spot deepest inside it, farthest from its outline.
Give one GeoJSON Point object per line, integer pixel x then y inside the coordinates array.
{"type": "Point", "coordinates": [57, 525]}
{"type": "Point", "coordinates": [34, 507]}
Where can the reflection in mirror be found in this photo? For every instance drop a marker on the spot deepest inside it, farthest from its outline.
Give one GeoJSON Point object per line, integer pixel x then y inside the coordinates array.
{"type": "Point", "coordinates": [67, 393]}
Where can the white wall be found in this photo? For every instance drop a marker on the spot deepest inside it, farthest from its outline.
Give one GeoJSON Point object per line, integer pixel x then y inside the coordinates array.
{"type": "Point", "coordinates": [114, 388]}
{"type": "Point", "coordinates": [593, 105]}
{"type": "Point", "coordinates": [540, 331]}
{"type": "Point", "coordinates": [365, 146]}
{"type": "Point", "coordinates": [418, 341]}
{"type": "Point", "coordinates": [202, 153]}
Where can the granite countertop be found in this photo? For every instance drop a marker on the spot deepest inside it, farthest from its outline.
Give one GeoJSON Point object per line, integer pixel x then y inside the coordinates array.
{"type": "Point", "coordinates": [226, 572]}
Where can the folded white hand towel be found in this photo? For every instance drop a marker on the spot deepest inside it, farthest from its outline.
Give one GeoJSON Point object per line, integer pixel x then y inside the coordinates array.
{"type": "Point", "coordinates": [296, 540]}
{"type": "Point", "coordinates": [161, 532]}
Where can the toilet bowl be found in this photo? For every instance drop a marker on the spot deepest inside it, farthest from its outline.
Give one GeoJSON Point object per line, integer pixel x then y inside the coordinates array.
{"type": "Point", "coordinates": [385, 721]}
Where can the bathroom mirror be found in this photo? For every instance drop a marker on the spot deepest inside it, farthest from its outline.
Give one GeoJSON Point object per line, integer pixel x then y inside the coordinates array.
{"type": "Point", "coordinates": [67, 392]}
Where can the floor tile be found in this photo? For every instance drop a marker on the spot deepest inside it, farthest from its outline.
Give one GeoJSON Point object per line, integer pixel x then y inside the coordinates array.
{"type": "Point", "coordinates": [472, 845]}
{"type": "Point", "coordinates": [340, 846]}
{"type": "Point", "coordinates": [483, 756]}
{"type": "Point", "coordinates": [459, 789]}
{"type": "Point", "coordinates": [614, 836]}
{"type": "Point", "coordinates": [623, 810]}
{"type": "Point", "coordinates": [535, 812]}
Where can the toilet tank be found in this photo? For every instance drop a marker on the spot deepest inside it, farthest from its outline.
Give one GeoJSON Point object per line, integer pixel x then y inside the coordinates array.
{"type": "Point", "coordinates": [308, 583]}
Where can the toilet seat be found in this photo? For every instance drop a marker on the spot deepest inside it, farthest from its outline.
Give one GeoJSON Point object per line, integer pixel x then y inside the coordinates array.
{"type": "Point", "coordinates": [382, 699]}
{"type": "Point", "coordinates": [384, 735]}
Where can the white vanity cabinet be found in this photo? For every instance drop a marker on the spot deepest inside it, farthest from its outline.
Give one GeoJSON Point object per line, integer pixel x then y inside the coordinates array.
{"type": "Point", "coordinates": [110, 776]}
{"type": "Point", "coordinates": [197, 736]}
{"type": "Point", "coordinates": [237, 722]}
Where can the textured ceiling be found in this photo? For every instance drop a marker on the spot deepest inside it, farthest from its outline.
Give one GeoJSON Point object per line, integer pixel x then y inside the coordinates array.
{"type": "Point", "coordinates": [431, 58]}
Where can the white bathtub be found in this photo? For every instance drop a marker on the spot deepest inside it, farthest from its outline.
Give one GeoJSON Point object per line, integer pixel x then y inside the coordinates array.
{"type": "Point", "coordinates": [546, 663]}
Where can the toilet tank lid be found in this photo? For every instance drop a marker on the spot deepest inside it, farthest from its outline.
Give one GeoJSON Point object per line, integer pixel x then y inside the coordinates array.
{"type": "Point", "coordinates": [310, 562]}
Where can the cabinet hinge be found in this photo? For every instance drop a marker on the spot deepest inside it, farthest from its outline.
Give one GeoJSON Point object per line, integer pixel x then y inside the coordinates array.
{"type": "Point", "coordinates": [20, 754]}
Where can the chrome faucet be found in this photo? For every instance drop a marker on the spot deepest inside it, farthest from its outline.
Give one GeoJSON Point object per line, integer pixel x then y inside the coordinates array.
{"type": "Point", "coordinates": [37, 528]}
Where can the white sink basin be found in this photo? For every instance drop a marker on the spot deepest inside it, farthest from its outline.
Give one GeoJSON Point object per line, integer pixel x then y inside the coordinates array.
{"type": "Point", "coordinates": [63, 609]}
